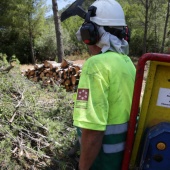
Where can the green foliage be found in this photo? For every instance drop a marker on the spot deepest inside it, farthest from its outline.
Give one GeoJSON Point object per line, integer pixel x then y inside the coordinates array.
{"type": "Point", "coordinates": [135, 18]}
{"type": "Point", "coordinates": [21, 20]}
{"type": "Point", "coordinates": [3, 60]}
{"type": "Point", "coordinates": [24, 22]}
{"type": "Point", "coordinates": [35, 124]}
{"type": "Point", "coordinates": [71, 26]}
{"type": "Point", "coordinates": [45, 45]}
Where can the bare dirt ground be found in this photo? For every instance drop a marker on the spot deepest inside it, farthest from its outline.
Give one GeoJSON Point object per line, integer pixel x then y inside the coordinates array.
{"type": "Point", "coordinates": [81, 62]}
{"type": "Point", "coordinates": [25, 67]}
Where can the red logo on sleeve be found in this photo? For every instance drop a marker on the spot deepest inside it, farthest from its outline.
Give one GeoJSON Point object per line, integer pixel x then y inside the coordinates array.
{"type": "Point", "coordinates": [83, 94]}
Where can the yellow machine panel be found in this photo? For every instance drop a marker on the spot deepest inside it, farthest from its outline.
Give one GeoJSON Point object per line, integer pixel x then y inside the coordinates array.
{"type": "Point", "coordinates": [155, 107]}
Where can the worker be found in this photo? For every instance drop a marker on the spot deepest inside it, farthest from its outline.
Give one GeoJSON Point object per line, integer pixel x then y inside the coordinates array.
{"type": "Point", "coordinates": [104, 94]}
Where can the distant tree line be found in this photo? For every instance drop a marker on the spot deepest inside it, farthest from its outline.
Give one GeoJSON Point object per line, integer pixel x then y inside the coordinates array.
{"type": "Point", "coordinates": [27, 31]}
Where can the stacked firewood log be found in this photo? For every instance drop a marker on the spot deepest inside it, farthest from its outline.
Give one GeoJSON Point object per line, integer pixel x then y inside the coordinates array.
{"type": "Point", "coordinates": [65, 74]}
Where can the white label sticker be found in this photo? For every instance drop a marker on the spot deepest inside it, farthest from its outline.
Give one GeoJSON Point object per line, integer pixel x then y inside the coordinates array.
{"type": "Point", "coordinates": [164, 97]}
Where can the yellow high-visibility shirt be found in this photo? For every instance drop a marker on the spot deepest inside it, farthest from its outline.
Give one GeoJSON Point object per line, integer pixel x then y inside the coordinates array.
{"type": "Point", "coordinates": [105, 91]}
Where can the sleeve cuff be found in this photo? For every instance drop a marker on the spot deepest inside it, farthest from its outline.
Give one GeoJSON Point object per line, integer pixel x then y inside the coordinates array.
{"type": "Point", "coordinates": [91, 126]}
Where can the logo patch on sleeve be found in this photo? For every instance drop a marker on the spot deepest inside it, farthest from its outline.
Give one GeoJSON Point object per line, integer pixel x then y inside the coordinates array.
{"type": "Point", "coordinates": [82, 98]}
{"type": "Point", "coordinates": [83, 94]}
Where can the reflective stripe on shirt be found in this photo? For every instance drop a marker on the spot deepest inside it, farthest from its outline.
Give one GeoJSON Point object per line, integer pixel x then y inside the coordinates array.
{"type": "Point", "coordinates": [116, 129]}
{"type": "Point", "coordinates": [108, 148]}
{"type": "Point", "coordinates": [112, 133]}
{"type": "Point", "coordinates": [114, 138]}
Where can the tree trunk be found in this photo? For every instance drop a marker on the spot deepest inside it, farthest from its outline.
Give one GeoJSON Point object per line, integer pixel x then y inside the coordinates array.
{"type": "Point", "coordinates": [146, 26]}
{"type": "Point", "coordinates": [155, 28]}
{"type": "Point", "coordinates": [60, 52]}
{"type": "Point", "coordinates": [165, 28]}
{"type": "Point", "coordinates": [32, 48]}
{"type": "Point", "coordinates": [31, 41]}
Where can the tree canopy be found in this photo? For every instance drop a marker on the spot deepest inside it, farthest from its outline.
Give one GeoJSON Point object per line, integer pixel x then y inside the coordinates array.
{"type": "Point", "coordinates": [27, 32]}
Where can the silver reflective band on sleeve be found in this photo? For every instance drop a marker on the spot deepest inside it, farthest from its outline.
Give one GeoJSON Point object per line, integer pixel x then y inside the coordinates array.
{"type": "Point", "coordinates": [79, 138]}
{"type": "Point", "coordinates": [116, 129]}
{"type": "Point", "coordinates": [113, 148]}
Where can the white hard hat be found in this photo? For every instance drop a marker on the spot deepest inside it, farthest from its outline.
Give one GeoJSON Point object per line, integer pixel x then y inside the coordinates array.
{"type": "Point", "coordinates": [108, 13]}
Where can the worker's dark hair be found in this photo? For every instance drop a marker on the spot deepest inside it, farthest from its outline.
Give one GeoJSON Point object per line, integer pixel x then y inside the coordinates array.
{"type": "Point", "coordinates": [120, 33]}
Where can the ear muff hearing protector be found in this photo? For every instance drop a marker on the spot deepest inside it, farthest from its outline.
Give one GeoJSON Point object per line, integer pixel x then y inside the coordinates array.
{"type": "Point", "coordinates": [89, 31]}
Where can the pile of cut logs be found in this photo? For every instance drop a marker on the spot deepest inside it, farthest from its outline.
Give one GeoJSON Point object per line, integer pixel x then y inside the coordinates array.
{"type": "Point", "coordinates": [65, 74]}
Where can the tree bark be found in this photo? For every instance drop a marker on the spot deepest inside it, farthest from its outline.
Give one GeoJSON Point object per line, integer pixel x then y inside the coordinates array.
{"type": "Point", "coordinates": [165, 28]}
{"type": "Point", "coordinates": [146, 26]}
{"type": "Point", "coordinates": [60, 52]}
{"type": "Point", "coordinates": [31, 40]}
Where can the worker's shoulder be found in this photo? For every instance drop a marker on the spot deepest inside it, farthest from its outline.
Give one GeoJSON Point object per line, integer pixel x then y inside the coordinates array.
{"type": "Point", "coordinates": [101, 57]}
{"type": "Point", "coordinates": [94, 64]}
{"type": "Point", "coordinates": [109, 58]}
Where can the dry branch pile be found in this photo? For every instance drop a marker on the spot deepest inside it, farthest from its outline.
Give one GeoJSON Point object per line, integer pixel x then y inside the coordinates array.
{"type": "Point", "coordinates": [64, 74]}
{"type": "Point", "coordinates": [35, 124]}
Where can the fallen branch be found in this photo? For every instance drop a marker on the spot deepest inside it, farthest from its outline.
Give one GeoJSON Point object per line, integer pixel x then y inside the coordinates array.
{"type": "Point", "coordinates": [6, 69]}
{"type": "Point", "coordinates": [12, 118]}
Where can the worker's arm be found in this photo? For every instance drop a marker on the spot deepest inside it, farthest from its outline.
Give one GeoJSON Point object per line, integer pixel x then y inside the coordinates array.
{"type": "Point", "coordinates": [91, 142]}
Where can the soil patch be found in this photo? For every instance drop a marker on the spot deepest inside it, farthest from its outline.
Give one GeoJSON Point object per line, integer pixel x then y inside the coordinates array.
{"type": "Point", "coordinates": [81, 62]}
{"type": "Point", "coordinates": [25, 67]}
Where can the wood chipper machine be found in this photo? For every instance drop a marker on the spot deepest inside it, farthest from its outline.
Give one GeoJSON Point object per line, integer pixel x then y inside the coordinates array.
{"type": "Point", "coordinates": [148, 139]}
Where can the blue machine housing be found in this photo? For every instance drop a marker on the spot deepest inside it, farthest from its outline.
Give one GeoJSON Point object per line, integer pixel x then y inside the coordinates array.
{"type": "Point", "coordinates": [153, 158]}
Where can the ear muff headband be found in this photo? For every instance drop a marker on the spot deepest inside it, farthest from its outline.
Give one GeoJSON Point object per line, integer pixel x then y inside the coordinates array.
{"type": "Point", "coordinates": [89, 31]}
